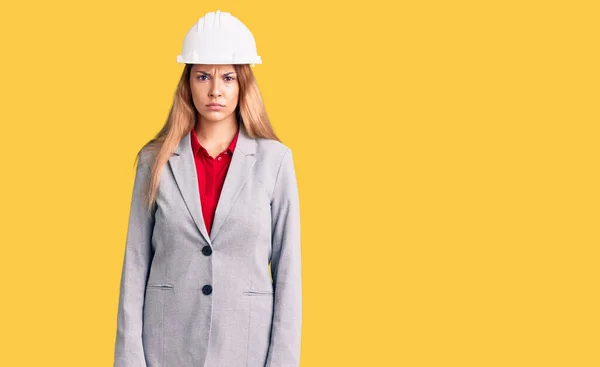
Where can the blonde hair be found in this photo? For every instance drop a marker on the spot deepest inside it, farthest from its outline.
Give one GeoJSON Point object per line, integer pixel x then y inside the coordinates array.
{"type": "Point", "coordinates": [250, 112]}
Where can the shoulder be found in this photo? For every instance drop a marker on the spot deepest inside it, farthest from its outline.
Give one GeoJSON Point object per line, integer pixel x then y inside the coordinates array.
{"type": "Point", "coordinates": [272, 149]}
{"type": "Point", "coordinates": [272, 158]}
{"type": "Point", "coordinates": [272, 155]}
{"type": "Point", "coordinates": [147, 155]}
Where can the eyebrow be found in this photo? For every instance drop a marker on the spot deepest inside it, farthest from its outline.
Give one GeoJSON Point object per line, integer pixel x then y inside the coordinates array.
{"type": "Point", "coordinates": [205, 73]}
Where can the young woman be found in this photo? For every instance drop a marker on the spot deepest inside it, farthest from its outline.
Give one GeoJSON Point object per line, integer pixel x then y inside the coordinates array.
{"type": "Point", "coordinates": [212, 273]}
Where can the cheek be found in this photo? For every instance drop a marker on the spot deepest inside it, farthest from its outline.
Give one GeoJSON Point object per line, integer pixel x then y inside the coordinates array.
{"type": "Point", "coordinates": [234, 95]}
{"type": "Point", "coordinates": [195, 91]}
{"type": "Point", "coordinates": [197, 100]}
{"type": "Point", "coordinates": [199, 86]}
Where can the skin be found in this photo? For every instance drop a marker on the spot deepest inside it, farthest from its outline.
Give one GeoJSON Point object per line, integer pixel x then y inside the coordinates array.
{"type": "Point", "coordinates": [215, 84]}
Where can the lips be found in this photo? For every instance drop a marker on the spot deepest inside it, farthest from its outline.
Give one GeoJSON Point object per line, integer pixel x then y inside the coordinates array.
{"type": "Point", "coordinates": [214, 107]}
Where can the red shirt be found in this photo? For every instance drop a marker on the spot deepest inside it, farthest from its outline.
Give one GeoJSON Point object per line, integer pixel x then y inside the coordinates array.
{"type": "Point", "coordinates": [211, 176]}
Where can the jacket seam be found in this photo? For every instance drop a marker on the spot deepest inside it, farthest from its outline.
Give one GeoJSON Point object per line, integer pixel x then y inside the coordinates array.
{"type": "Point", "coordinates": [278, 172]}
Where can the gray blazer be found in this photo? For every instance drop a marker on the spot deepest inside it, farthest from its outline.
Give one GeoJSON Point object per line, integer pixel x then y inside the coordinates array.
{"type": "Point", "coordinates": [188, 298]}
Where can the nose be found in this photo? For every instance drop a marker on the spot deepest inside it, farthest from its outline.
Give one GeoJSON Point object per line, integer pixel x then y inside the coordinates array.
{"type": "Point", "coordinates": [214, 90]}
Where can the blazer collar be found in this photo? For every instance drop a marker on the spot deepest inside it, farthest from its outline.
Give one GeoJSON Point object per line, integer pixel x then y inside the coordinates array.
{"type": "Point", "coordinates": [183, 167]}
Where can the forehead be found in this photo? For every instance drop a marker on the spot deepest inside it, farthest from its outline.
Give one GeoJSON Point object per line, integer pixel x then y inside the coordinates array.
{"type": "Point", "coordinates": [212, 69]}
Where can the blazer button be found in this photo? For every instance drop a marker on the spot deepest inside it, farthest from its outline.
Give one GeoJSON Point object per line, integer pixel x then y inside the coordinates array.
{"type": "Point", "coordinates": [206, 250]}
{"type": "Point", "coordinates": [207, 289]}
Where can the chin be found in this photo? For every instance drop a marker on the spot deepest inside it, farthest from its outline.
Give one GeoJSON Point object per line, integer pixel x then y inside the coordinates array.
{"type": "Point", "coordinates": [215, 115]}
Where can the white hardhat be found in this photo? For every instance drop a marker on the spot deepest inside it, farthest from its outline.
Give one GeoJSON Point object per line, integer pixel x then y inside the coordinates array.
{"type": "Point", "coordinates": [219, 38]}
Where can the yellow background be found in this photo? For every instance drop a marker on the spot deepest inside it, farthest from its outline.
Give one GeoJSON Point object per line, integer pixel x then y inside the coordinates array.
{"type": "Point", "coordinates": [446, 154]}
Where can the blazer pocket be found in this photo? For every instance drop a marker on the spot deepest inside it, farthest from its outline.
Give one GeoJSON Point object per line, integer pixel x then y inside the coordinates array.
{"type": "Point", "coordinates": [160, 286]}
{"type": "Point", "coordinates": [257, 292]}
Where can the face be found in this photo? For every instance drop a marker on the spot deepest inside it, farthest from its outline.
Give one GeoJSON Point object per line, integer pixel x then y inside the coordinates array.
{"type": "Point", "coordinates": [214, 84]}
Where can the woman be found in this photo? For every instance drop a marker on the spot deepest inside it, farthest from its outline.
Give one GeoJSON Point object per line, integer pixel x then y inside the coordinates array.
{"type": "Point", "coordinates": [211, 273]}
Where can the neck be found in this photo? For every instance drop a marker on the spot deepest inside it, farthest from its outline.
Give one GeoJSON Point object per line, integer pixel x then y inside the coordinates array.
{"type": "Point", "coordinates": [216, 134]}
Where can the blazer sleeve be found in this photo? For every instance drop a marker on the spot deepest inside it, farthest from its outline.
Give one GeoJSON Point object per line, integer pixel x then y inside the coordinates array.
{"type": "Point", "coordinates": [284, 348]}
{"type": "Point", "coordinates": [129, 350]}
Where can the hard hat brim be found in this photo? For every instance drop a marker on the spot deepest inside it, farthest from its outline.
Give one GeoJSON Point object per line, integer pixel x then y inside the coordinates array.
{"type": "Point", "coordinates": [182, 60]}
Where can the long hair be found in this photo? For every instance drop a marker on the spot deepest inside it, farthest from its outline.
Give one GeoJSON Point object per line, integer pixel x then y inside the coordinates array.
{"type": "Point", "coordinates": [250, 112]}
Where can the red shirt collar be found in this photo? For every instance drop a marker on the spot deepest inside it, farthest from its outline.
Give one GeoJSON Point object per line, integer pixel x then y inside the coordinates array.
{"type": "Point", "coordinates": [196, 144]}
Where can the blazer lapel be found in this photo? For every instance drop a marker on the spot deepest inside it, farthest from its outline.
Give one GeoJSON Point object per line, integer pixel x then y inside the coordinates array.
{"type": "Point", "coordinates": [183, 167]}
{"type": "Point", "coordinates": [184, 170]}
{"type": "Point", "coordinates": [242, 161]}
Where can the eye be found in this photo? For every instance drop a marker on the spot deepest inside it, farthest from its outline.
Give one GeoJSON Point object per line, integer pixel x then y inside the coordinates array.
{"type": "Point", "coordinates": [230, 78]}
{"type": "Point", "coordinates": [200, 76]}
